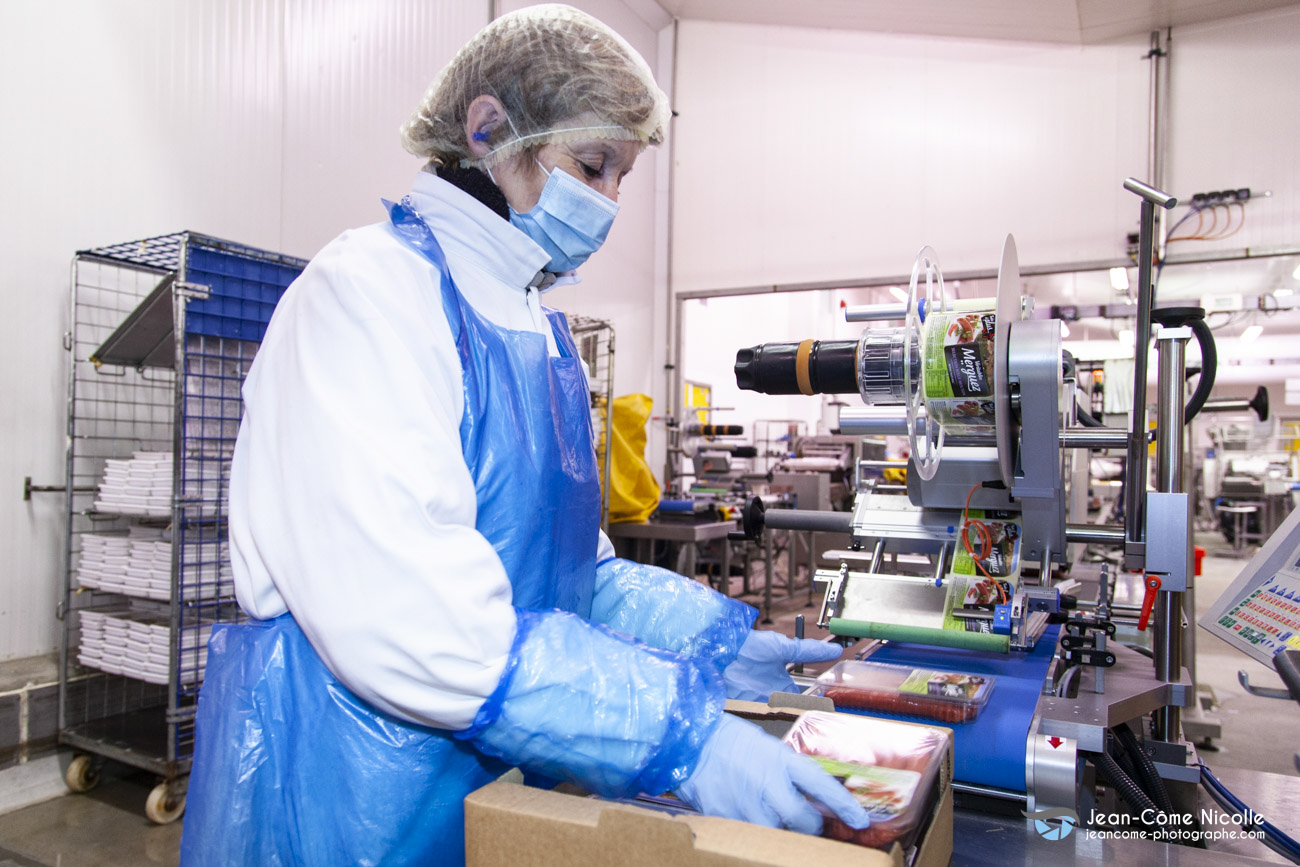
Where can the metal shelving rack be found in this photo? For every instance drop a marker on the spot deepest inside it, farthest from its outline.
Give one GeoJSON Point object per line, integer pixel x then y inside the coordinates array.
{"type": "Point", "coordinates": [594, 339]}
{"type": "Point", "coordinates": [161, 334]}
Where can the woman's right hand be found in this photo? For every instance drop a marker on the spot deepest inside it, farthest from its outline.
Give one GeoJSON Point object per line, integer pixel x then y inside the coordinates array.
{"type": "Point", "coordinates": [745, 773]}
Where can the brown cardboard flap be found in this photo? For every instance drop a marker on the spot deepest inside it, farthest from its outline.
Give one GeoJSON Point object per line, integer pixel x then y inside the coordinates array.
{"type": "Point", "coordinates": [507, 824]}
{"type": "Point", "coordinates": [654, 840]}
{"type": "Point", "coordinates": [510, 825]}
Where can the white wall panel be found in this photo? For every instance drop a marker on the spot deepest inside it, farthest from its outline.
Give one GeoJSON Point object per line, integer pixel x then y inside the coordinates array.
{"type": "Point", "coordinates": [812, 154]}
{"type": "Point", "coordinates": [1235, 121]}
{"type": "Point", "coordinates": [271, 123]}
{"type": "Point", "coordinates": [122, 120]}
{"type": "Point", "coordinates": [354, 72]}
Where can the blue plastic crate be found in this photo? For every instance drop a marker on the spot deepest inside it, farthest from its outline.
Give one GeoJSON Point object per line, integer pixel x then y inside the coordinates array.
{"type": "Point", "coordinates": [243, 291]}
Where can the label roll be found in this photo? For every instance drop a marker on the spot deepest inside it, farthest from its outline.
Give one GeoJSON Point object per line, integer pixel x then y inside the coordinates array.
{"type": "Point", "coordinates": [957, 371]}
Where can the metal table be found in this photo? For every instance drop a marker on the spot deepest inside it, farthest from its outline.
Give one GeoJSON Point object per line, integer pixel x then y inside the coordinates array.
{"type": "Point", "coordinates": [689, 533]}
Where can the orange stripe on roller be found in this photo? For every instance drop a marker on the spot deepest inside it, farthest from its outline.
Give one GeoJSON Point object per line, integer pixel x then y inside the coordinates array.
{"type": "Point", "coordinates": [801, 367]}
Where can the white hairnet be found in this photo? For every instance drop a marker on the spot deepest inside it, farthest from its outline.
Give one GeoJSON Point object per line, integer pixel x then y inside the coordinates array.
{"type": "Point", "coordinates": [561, 75]}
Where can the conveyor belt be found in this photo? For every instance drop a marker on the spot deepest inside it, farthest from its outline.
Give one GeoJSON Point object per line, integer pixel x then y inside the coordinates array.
{"type": "Point", "coordinates": [991, 750]}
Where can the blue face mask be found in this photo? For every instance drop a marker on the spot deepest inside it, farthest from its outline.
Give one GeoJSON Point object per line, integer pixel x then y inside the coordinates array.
{"type": "Point", "coordinates": [570, 220]}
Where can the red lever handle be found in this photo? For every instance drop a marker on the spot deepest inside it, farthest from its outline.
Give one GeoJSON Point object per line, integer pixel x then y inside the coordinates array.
{"type": "Point", "coordinates": [1152, 583]}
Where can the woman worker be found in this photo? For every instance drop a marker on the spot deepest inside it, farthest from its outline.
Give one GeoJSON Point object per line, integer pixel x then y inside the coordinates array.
{"type": "Point", "coordinates": [414, 512]}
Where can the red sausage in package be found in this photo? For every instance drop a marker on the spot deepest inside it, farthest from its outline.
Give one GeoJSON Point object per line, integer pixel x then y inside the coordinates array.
{"type": "Point", "coordinates": [948, 697]}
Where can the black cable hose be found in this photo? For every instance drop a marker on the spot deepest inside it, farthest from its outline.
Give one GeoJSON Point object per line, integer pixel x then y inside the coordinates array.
{"type": "Point", "coordinates": [1086, 418]}
{"type": "Point", "coordinates": [1209, 366]}
{"type": "Point", "coordinates": [1153, 784]}
{"type": "Point", "coordinates": [1121, 758]}
{"type": "Point", "coordinates": [1122, 782]}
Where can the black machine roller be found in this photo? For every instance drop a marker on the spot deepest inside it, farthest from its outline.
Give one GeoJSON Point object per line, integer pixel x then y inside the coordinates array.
{"type": "Point", "coordinates": [808, 367]}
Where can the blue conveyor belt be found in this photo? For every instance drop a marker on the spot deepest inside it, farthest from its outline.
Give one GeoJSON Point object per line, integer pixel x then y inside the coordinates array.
{"type": "Point", "coordinates": [991, 750]}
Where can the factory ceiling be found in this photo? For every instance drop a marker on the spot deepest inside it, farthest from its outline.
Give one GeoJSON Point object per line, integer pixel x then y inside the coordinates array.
{"type": "Point", "coordinates": [1082, 22]}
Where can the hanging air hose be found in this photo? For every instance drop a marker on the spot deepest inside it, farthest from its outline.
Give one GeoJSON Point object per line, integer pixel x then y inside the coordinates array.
{"type": "Point", "coordinates": [1122, 783]}
{"type": "Point", "coordinates": [1144, 770]}
{"type": "Point", "coordinates": [1152, 783]}
{"type": "Point", "coordinates": [1194, 317]}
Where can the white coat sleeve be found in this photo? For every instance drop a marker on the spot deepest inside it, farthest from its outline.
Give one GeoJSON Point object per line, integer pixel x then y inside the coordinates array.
{"type": "Point", "coordinates": [352, 505]}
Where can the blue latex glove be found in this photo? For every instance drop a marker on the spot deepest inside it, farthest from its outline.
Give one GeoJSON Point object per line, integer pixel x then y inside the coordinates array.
{"type": "Point", "coordinates": [759, 669]}
{"type": "Point", "coordinates": [745, 773]}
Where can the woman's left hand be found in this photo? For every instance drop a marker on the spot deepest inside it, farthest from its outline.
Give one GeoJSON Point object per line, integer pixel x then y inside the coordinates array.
{"type": "Point", "coordinates": [759, 668]}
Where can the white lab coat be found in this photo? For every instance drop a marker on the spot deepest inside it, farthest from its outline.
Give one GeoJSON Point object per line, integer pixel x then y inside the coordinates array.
{"type": "Point", "coordinates": [351, 503]}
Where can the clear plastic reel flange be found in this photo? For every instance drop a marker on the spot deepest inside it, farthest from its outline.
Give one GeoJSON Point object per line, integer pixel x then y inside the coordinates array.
{"type": "Point", "coordinates": [927, 449]}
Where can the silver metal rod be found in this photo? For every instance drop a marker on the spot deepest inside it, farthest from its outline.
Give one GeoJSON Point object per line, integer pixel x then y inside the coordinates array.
{"type": "Point", "coordinates": [1133, 611]}
{"type": "Point", "coordinates": [876, 312]}
{"type": "Point", "coordinates": [874, 573]}
{"type": "Point", "coordinates": [989, 792]}
{"type": "Point", "coordinates": [1169, 412]}
{"type": "Point", "coordinates": [1135, 474]}
{"type": "Point", "coordinates": [1167, 648]}
{"type": "Point", "coordinates": [1150, 194]}
{"type": "Point", "coordinates": [1167, 644]}
{"type": "Point", "coordinates": [807, 519]}
{"type": "Point", "coordinates": [1157, 112]}
{"type": "Point", "coordinates": [941, 563]}
{"type": "Point", "coordinates": [1094, 438]}
{"type": "Point", "coordinates": [876, 420]}
{"type": "Point", "coordinates": [1095, 534]}
{"type": "Point", "coordinates": [1227, 404]}
{"type": "Point", "coordinates": [1185, 258]}
{"type": "Point", "coordinates": [877, 555]}
{"type": "Point", "coordinates": [884, 421]}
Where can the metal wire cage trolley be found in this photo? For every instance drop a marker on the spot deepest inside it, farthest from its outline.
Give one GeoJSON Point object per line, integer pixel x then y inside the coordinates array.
{"type": "Point", "coordinates": [161, 334]}
{"type": "Point", "coordinates": [595, 343]}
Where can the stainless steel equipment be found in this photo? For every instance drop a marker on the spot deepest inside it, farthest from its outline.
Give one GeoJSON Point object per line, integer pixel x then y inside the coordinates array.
{"type": "Point", "coordinates": [983, 395]}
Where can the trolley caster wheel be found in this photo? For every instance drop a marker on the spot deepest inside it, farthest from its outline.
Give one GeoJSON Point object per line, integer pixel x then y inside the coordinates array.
{"type": "Point", "coordinates": [164, 805]}
{"type": "Point", "coordinates": [83, 774]}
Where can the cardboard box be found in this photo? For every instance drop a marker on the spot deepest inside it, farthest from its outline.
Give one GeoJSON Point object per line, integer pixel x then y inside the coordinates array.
{"type": "Point", "coordinates": [507, 824]}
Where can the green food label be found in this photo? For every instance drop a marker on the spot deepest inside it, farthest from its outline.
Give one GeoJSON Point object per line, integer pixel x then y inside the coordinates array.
{"type": "Point", "coordinates": [942, 684]}
{"type": "Point", "coordinates": [957, 361]}
{"type": "Point", "coordinates": [883, 792]}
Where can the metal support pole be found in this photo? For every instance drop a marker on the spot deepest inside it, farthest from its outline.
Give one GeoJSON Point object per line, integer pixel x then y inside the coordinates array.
{"type": "Point", "coordinates": [1135, 475]}
{"type": "Point", "coordinates": [1167, 645]}
{"type": "Point", "coordinates": [1136, 471]}
{"type": "Point", "coordinates": [1156, 111]}
{"type": "Point", "coordinates": [768, 575]}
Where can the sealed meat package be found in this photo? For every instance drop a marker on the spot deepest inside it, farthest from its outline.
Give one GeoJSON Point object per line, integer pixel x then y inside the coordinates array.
{"type": "Point", "coordinates": [944, 696]}
{"type": "Point", "coordinates": [892, 769]}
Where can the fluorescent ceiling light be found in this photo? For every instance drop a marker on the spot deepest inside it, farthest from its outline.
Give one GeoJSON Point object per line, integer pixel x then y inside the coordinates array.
{"type": "Point", "coordinates": [1127, 337]}
{"type": "Point", "coordinates": [1296, 272]}
{"type": "Point", "coordinates": [898, 292]}
{"type": "Point", "coordinates": [1065, 329]}
{"type": "Point", "coordinates": [1281, 293]}
{"type": "Point", "coordinates": [1119, 279]}
{"type": "Point", "coordinates": [1252, 332]}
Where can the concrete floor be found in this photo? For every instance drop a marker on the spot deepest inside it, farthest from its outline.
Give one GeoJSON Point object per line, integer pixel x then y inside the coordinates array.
{"type": "Point", "coordinates": [108, 826]}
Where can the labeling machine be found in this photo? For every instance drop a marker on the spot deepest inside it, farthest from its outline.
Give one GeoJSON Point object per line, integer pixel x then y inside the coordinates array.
{"type": "Point", "coordinates": [964, 573]}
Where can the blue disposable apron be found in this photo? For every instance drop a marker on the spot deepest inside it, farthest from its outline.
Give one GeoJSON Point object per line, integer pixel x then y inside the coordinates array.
{"type": "Point", "coordinates": [290, 767]}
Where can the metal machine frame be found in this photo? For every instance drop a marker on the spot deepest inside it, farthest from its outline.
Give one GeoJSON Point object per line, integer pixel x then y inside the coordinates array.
{"type": "Point", "coordinates": [1024, 466]}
